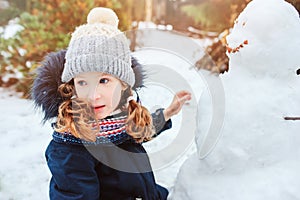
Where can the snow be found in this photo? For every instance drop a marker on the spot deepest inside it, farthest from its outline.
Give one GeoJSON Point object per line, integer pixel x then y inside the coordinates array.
{"type": "Point", "coordinates": [23, 172]}
{"type": "Point", "coordinates": [146, 25]}
{"type": "Point", "coordinates": [4, 4]}
{"type": "Point", "coordinates": [11, 29]}
{"type": "Point", "coordinates": [257, 155]}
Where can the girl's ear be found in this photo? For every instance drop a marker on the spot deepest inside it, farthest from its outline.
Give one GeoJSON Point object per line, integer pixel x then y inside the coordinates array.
{"type": "Point", "coordinates": [124, 86]}
{"type": "Point", "coordinates": [125, 93]}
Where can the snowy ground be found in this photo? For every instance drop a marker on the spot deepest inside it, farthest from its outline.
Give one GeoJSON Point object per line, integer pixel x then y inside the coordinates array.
{"type": "Point", "coordinates": [23, 171]}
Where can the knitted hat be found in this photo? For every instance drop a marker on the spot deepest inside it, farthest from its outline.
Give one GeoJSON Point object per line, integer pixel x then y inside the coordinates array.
{"type": "Point", "coordinates": [99, 46]}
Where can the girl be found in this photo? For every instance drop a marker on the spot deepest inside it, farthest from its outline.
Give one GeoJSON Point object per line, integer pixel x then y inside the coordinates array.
{"type": "Point", "coordinates": [96, 151]}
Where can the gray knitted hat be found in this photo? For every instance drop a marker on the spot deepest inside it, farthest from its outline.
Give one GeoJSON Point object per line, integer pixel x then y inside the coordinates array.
{"type": "Point", "coordinates": [99, 46]}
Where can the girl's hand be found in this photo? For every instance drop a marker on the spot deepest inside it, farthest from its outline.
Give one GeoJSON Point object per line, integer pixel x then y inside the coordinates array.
{"type": "Point", "coordinates": [179, 100]}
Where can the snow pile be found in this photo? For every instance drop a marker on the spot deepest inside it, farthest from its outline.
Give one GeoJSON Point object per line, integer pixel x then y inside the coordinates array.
{"type": "Point", "coordinates": [257, 157]}
{"type": "Point", "coordinates": [23, 170]}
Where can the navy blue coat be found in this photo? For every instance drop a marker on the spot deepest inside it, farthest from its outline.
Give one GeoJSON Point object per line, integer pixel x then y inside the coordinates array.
{"type": "Point", "coordinates": [80, 173]}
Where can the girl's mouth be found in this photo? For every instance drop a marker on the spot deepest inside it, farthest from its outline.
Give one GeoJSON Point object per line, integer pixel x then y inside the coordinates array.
{"type": "Point", "coordinates": [99, 108]}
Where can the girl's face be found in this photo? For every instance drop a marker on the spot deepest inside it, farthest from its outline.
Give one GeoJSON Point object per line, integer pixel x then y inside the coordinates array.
{"type": "Point", "coordinates": [102, 90]}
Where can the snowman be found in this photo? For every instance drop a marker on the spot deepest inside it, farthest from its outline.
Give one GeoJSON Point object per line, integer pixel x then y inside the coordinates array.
{"type": "Point", "coordinates": [258, 155]}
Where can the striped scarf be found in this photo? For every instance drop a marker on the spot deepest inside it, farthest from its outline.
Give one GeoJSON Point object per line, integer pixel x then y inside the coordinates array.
{"type": "Point", "coordinates": [111, 126]}
{"type": "Point", "coordinates": [112, 130]}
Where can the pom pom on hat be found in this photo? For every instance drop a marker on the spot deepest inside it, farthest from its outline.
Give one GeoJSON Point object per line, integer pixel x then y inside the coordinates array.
{"type": "Point", "coordinates": [103, 15]}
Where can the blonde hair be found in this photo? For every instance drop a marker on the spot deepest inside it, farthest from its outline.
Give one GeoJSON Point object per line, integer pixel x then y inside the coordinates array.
{"type": "Point", "coordinates": [139, 121]}
{"type": "Point", "coordinates": [76, 116]}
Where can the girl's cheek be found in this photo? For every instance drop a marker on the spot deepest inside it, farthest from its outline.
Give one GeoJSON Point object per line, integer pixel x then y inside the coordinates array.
{"type": "Point", "coordinates": [116, 95]}
{"type": "Point", "coordinates": [81, 93]}
{"type": "Point", "coordinates": [86, 92]}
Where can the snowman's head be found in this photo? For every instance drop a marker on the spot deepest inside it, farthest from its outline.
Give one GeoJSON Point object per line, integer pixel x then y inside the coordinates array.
{"type": "Point", "coordinates": [265, 38]}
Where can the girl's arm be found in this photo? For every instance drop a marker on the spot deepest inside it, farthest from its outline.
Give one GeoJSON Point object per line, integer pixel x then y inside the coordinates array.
{"type": "Point", "coordinates": [159, 122]}
{"type": "Point", "coordinates": [162, 117]}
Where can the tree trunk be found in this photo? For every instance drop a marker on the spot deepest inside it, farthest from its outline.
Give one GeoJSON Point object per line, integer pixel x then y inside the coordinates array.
{"type": "Point", "coordinates": [148, 10]}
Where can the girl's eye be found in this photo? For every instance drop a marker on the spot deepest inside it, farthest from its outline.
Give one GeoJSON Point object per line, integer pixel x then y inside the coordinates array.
{"type": "Point", "coordinates": [103, 80]}
{"type": "Point", "coordinates": [82, 83]}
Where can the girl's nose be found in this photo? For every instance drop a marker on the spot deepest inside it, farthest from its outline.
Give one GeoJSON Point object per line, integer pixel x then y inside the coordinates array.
{"type": "Point", "coordinates": [94, 94]}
